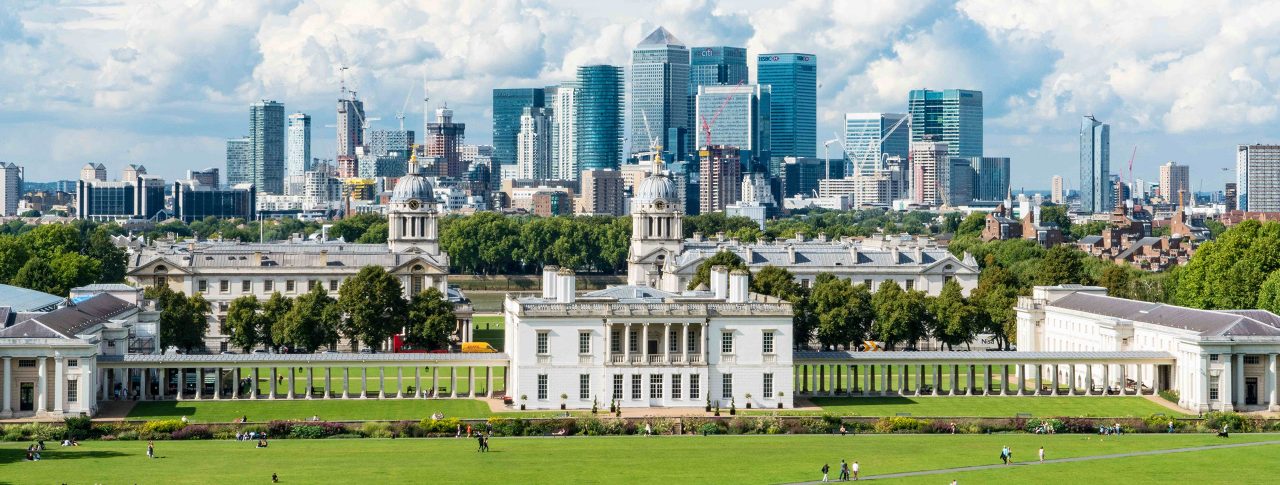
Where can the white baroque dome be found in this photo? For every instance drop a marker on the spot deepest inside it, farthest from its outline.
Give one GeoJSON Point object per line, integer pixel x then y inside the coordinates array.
{"type": "Point", "coordinates": [413, 186]}
{"type": "Point", "coordinates": [657, 187]}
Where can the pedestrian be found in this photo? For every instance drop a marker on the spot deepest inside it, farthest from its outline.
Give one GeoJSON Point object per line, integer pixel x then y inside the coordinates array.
{"type": "Point", "coordinates": [844, 470]}
{"type": "Point", "coordinates": [648, 430]}
{"type": "Point", "coordinates": [1010, 456]}
{"type": "Point", "coordinates": [825, 467]}
{"type": "Point", "coordinates": [1041, 454]}
{"type": "Point", "coordinates": [1170, 425]}
{"type": "Point", "coordinates": [458, 434]}
{"type": "Point", "coordinates": [955, 482]}
{"type": "Point", "coordinates": [151, 449]}
{"type": "Point", "coordinates": [855, 470]}
{"type": "Point", "coordinates": [842, 430]}
{"type": "Point", "coordinates": [479, 442]}
{"type": "Point", "coordinates": [485, 443]}
{"type": "Point", "coordinates": [275, 478]}
{"type": "Point", "coordinates": [1004, 455]}
{"type": "Point", "coordinates": [953, 427]}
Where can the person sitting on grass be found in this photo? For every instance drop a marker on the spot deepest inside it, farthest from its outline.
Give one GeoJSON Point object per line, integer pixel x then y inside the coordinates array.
{"type": "Point", "coordinates": [262, 443]}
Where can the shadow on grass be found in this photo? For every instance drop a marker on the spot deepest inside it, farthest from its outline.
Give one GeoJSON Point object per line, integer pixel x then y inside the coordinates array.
{"type": "Point", "coordinates": [162, 409]}
{"type": "Point", "coordinates": [52, 454]}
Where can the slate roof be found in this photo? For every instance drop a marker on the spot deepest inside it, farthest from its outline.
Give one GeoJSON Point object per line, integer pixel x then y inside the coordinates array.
{"type": "Point", "coordinates": [1133, 248]}
{"type": "Point", "coordinates": [1207, 323]}
{"type": "Point", "coordinates": [223, 255]}
{"type": "Point", "coordinates": [69, 321]}
{"type": "Point", "coordinates": [816, 254]}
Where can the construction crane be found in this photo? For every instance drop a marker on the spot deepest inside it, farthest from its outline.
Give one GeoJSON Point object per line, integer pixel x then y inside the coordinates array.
{"type": "Point", "coordinates": [706, 127]}
{"type": "Point", "coordinates": [653, 143]}
{"type": "Point", "coordinates": [857, 168]}
{"type": "Point", "coordinates": [405, 107]}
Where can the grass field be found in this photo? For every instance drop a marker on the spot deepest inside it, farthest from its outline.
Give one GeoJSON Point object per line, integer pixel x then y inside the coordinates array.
{"type": "Point", "coordinates": [335, 410]}
{"type": "Point", "coordinates": [488, 328]}
{"type": "Point", "coordinates": [634, 459]}
{"type": "Point", "coordinates": [978, 406]}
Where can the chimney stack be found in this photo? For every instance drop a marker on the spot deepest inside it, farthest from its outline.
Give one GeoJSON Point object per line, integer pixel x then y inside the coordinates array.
{"type": "Point", "coordinates": [565, 286]}
{"type": "Point", "coordinates": [738, 285]}
{"type": "Point", "coordinates": [720, 281]}
{"type": "Point", "coordinates": [549, 281]}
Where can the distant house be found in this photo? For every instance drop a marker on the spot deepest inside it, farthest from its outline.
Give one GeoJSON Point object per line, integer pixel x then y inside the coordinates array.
{"type": "Point", "coordinates": [1001, 226]}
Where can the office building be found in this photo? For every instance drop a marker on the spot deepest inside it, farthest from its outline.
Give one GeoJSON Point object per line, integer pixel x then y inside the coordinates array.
{"type": "Point", "coordinates": [990, 177]}
{"type": "Point", "coordinates": [193, 201]}
{"type": "Point", "coordinates": [382, 142]}
{"type": "Point", "coordinates": [863, 133]}
{"type": "Point", "coordinates": [238, 163]}
{"type": "Point", "coordinates": [930, 167]}
{"type": "Point", "coordinates": [208, 177]}
{"type": "Point", "coordinates": [508, 107]}
{"type": "Point", "coordinates": [601, 103]}
{"type": "Point", "coordinates": [601, 193]}
{"type": "Point", "coordinates": [952, 116]}
{"type": "Point", "coordinates": [134, 196]}
{"type": "Point", "coordinates": [720, 178]}
{"type": "Point", "coordinates": [1175, 184]}
{"type": "Point", "coordinates": [1258, 178]}
{"type": "Point", "coordinates": [298, 147]}
{"type": "Point", "coordinates": [1058, 193]}
{"type": "Point", "coordinates": [351, 123]}
{"type": "Point", "coordinates": [1095, 166]}
{"type": "Point", "coordinates": [802, 175]}
{"type": "Point", "coordinates": [756, 202]}
{"type": "Point", "coordinates": [564, 130]}
{"type": "Point", "coordinates": [793, 108]}
{"type": "Point", "coordinates": [266, 146]}
{"type": "Point", "coordinates": [11, 177]}
{"type": "Point", "coordinates": [736, 116]}
{"type": "Point", "coordinates": [94, 171]}
{"type": "Point", "coordinates": [961, 181]}
{"type": "Point", "coordinates": [444, 142]}
{"type": "Point", "coordinates": [1230, 197]}
{"type": "Point", "coordinates": [660, 93]}
{"type": "Point", "coordinates": [714, 66]}
{"type": "Point", "coordinates": [533, 148]}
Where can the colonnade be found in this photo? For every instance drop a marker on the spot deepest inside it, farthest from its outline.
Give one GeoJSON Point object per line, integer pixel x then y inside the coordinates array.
{"type": "Point", "coordinates": [978, 379]}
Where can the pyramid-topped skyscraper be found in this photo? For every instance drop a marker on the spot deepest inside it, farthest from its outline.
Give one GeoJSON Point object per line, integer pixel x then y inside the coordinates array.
{"type": "Point", "coordinates": [659, 92]}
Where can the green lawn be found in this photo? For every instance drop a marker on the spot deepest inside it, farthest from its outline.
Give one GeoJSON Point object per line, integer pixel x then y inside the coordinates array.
{"type": "Point", "coordinates": [335, 410]}
{"type": "Point", "coordinates": [633, 459]}
{"type": "Point", "coordinates": [390, 380]}
{"type": "Point", "coordinates": [488, 328]}
{"type": "Point", "coordinates": [1100, 406]}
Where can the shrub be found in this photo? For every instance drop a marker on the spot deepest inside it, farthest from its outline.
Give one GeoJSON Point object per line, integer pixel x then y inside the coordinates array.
{"type": "Point", "coordinates": [165, 426]}
{"type": "Point", "coordinates": [224, 434]}
{"type": "Point", "coordinates": [1052, 423]}
{"type": "Point", "coordinates": [813, 426]}
{"type": "Point", "coordinates": [128, 435]}
{"type": "Point", "coordinates": [448, 426]}
{"type": "Point", "coordinates": [343, 436]}
{"type": "Point", "coordinates": [1170, 395]}
{"type": "Point", "coordinates": [77, 427]}
{"type": "Point", "coordinates": [710, 427]}
{"type": "Point", "coordinates": [307, 432]}
{"type": "Point", "coordinates": [507, 427]}
{"type": "Point", "coordinates": [254, 428]}
{"type": "Point", "coordinates": [12, 433]}
{"type": "Point", "coordinates": [1214, 420]}
{"type": "Point", "coordinates": [895, 424]}
{"type": "Point", "coordinates": [193, 432]}
{"type": "Point", "coordinates": [279, 429]}
{"type": "Point", "coordinates": [376, 430]}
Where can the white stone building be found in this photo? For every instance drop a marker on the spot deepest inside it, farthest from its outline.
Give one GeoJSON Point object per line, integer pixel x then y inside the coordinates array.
{"type": "Point", "coordinates": [1224, 360]}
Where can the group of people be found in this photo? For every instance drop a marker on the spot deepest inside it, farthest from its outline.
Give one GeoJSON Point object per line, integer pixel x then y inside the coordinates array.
{"type": "Point", "coordinates": [33, 451]}
{"type": "Point", "coordinates": [483, 441]}
{"type": "Point", "coordinates": [250, 436]}
{"type": "Point", "coordinates": [845, 471]}
{"type": "Point", "coordinates": [1045, 428]}
{"type": "Point", "coordinates": [1106, 430]}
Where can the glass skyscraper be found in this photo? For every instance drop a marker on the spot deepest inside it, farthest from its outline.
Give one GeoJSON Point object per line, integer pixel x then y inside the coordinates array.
{"type": "Point", "coordinates": [266, 146]}
{"type": "Point", "coordinates": [298, 149]}
{"type": "Point", "coordinates": [1095, 166]}
{"type": "Point", "coordinates": [953, 116]}
{"type": "Point", "coordinates": [990, 177]}
{"type": "Point", "coordinates": [238, 170]}
{"type": "Point", "coordinates": [862, 134]}
{"type": "Point", "coordinates": [793, 79]}
{"type": "Point", "coordinates": [599, 115]}
{"type": "Point", "coordinates": [714, 66]}
{"type": "Point", "coordinates": [508, 106]}
{"type": "Point", "coordinates": [742, 121]}
{"type": "Point", "coordinates": [660, 92]}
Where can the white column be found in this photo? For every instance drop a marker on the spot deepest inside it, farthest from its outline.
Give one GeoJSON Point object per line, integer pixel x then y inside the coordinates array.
{"type": "Point", "coordinates": [1039, 380]}
{"type": "Point", "coordinates": [1106, 378]}
{"type": "Point", "coordinates": [42, 375]}
{"type": "Point", "coordinates": [1226, 382]}
{"type": "Point", "coordinates": [346, 382]}
{"type": "Point", "coordinates": [626, 343]}
{"type": "Point", "coordinates": [435, 381]}
{"type": "Point", "coordinates": [1273, 390]}
{"type": "Point", "coordinates": [289, 394]}
{"type": "Point", "coordinates": [1019, 378]}
{"type": "Point", "coordinates": [327, 380]}
{"type": "Point", "coordinates": [199, 383]}
{"type": "Point", "coordinates": [7, 409]}
{"type": "Point", "coordinates": [1054, 368]}
{"type": "Point", "coordinates": [235, 387]}
{"type": "Point", "coordinates": [937, 380]}
{"type": "Point", "coordinates": [488, 381]}
{"type": "Point", "coordinates": [59, 376]}
{"type": "Point", "coordinates": [471, 381]}
{"type": "Point", "coordinates": [364, 383]}
{"type": "Point", "coordinates": [884, 379]}
{"type": "Point", "coordinates": [644, 343]}
{"type": "Point", "coordinates": [955, 380]}
{"type": "Point", "coordinates": [306, 390]}
{"type": "Point", "coordinates": [1004, 380]}
{"type": "Point", "coordinates": [684, 342]}
{"type": "Point", "coordinates": [382, 383]}
{"type": "Point", "coordinates": [1088, 380]}
{"type": "Point", "coordinates": [217, 383]}
{"type": "Point", "coordinates": [968, 388]}
{"type": "Point", "coordinates": [1202, 379]}
{"type": "Point", "coordinates": [666, 344]}
{"type": "Point", "coordinates": [1071, 379]}
{"type": "Point", "coordinates": [399, 382]}
{"type": "Point", "coordinates": [146, 388]}
{"type": "Point", "coordinates": [453, 381]}
{"type": "Point", "coordinates": [253, 390]}
{"type": "Point", "coordinates": [705, 343]}
{"type": "Point", "coordinates": [271, 387]}
{"type": "Point", "coordinates": [1238, 385]}
{"type": "Point", "coordinates": [417, 382]}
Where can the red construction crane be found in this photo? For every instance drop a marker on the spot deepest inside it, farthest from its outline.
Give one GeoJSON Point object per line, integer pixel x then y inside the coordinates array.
{"type": "Point", "coordinates": [706, 127]}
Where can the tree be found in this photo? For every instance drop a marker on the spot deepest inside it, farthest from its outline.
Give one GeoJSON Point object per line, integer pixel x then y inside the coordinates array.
{"type": "Point", "coordinates": [956, 319]}
{"type": "Point", "coordinates": [1117, 281]}
{"type": "Point", "coordinates": [311, 322]}
{"type": "Point", "coordinates": [13, 256]}
{"type": "Point", "coordinates": [723, 258]}
{"type": "Point", "coordinates": [243, 322]}
{"type": "Point", "coordinates": [431, 320]}
{"type": "Point", "coordinates": [36, 274]}
{"type": "Point", "coordinates": [844, 311]}
{"type": "Point", "coordinates": [901, 316]}
{"type": "Point", "coordinates": [1228, 272]}
{"type": "Point", "coordinates": [111, 258]}
{"type": "Point", "coordinates": [1061, 265]}
{"type": "Point", "coordinates": [1056, 214]}
{"type": "Point", "coordinates": [994, 302]}
{"type": "Point", "coordinates": [183, 320]}
{"type": "Point", "coordinates": [972, 224]}
{"type": "Point", "coordinates": [273, 311]}
{"type": "Point", "coordinates": [373, 306]}
{"type": "Point", "coordinates": [1269, 294]}
{"type": "Point", "coordinates": [778, 282]}
{"type": "Point", "coordinates": [50, 240]}
{"type": "Point", "coordinates": [74, 269]}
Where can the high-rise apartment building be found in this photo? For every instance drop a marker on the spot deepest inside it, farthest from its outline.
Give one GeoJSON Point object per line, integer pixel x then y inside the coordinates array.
{"type": "Point", "coordinates": [508, 107]}
{"type": "Point", "coordinates": [382, 142]}
{"type": "Point", "coordinates": [298, 146]}
{"type": "Point", "coordinates": [1095, 166]}
{"type": "Point", "coordinates": [266, 146]}
{"type": "Point", "coordinates": [350, 125]}
{"type": "Point", "coordinates": [990, 177]}
{"type": "Point", "coordinates": [1230, 196]}
{"type": "Point", "coordinates": [601, 192]}
{"type": "Point", "coordinates": [600, 107]}
{"type": "Point", "coordinates": [564, 131]}
{"type": "Point", "coordinates": [930, 172]}
{"type": "Point", "coordinates": [1258, 178]}
{"type": "Point", "coordinates": [207, 177]}
{"type": "Point", "coordinates": [720, 181]}
{"type": "Point", "coordinates": [1058, 193]}
{"type": "Point", "coordinates": [793, 81]}
{"type": "Point", "coordinates": [1175, 183]}
{"type": "Point", "coordinates": [11, 176]}
{"type": "Point", "coordinates": [863, 133]}
{"type": "Point", "coordinates": [533, 147]}
{"type": "Point", "coordinates": [444, 140]}
{"type": "Point", "coordinates": [239, 160]}
{"type": "Point", "coordinates": [660, 92]}
{"type": "Point", "coordinates": [714, 66]}
{"type": "Point", "coordinates": [736, 116]}
{"type": "Point", "coordinates": [952, 116]}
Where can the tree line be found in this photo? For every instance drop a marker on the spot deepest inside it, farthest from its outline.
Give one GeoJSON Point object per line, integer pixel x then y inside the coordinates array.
{"type": "Point", "coordinates": [54, 258]}
{"type": "Point", "coordinates": [369, 309]}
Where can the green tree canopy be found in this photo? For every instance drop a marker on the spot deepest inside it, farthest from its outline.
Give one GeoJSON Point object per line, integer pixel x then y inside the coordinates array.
{"type": "Point", "coordinates": [994, 303]}
{"type": "Point", "coordinates": [778, 282]}
{"type": "Point", "coordinates": [311, 322]}
{"type": "Point", "coordinates": [722, 258]}
{"type": "Point", "coordinates": [183, 320]}
{"type": "Point", "coordinates": [373, 305]}
{"type": "Point", "coordinates": [1227, 273]}
{"type": "Point", "coordinates": [957, 320]}
{"type": "Point", "coordinates": [1117, 281]}
{"type": "Point", "coordinates": [431, 320]}
{"type": "Point", "coordinates": [243, 321]}
{"type": "Point", "coordinates": [844, 311]}
{"type": "Point", "coordinates": [1061, 265]}
{"type": "Point", "coordinates": [273, 312]}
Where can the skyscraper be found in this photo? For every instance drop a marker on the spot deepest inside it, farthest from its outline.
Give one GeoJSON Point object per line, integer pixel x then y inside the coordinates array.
{"type": "Point", "coordinates": [1258, 178]}
{"type": "Point", "coordinates": [714, 66]}
{"type": "Point", "coordinates": [660, 92]}
{"type": "Point", "coordinates": [601, 99]}
{"type": "Point", "coordinates": [1175, 183]}
{"type": "Point", "coordinates": [736, 116]}
{"type": "Point", "coordinates": [533, 147]}
{"type": "Point", "coordinates": [1229, 196]}
{"type": "Point", "coordinates": [350, 125]}
{"type": "Point", "coordinates": [1058, 194]}
{"type": "Point", "coordinates": [952, 116]}
{"type": "Point", "coordinates": [238, 161]}
{"type": "Point", "coordinates": [930, 172]}
{"type": "Point", "coordinates": [862, 135]}
{"type": "Point", "coordinates": [564, 133]}
{"type": "Point", "coordinates": [793, 79]}
{"type": "Point", "coordinates": [10, 188]}
{"type": "Point", "coordinates": [961, 182]}
{"type": "Point", "coordinates": [297, 152]}
{"type": "Point", "coordinates": [266, 146]}
{"type": "Point", "coordinates": [1095, 166]}
{"type": "Point", "coordinates": [721, 178]}
{"type": "Point", "coordinates": [444, 141]}
{"type": "Point", "coordinates": [508, 106]}
{"type": "Point", "coordinates": [990, 177]}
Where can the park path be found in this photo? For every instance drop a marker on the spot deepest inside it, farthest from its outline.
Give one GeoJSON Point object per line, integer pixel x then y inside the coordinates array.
{"type": "Point", "coordinates": [1061, 460]}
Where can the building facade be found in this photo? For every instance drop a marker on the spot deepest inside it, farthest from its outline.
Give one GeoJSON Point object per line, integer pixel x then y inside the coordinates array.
{"type": "Point", "coordinates": [508, 107]}
{"type": "Point", "coordinates": [793, 108]}
{"type": "Point", "coordinates": [736, 116]}
{"type": "Point", "coordinates": [600, 104]}
{"type": "Point", "coordinates": [990, 177]}
{"type": "Point", "coordinates": [134, 196]}
{"type": "Point", "coordinates": [1258, 178]}
{"type": "Point", "coordinates": [350, 125]}
{"type": "Point", "coordinates": [863, 133]}
{"type": "Point", "coordinates": [239, 162]}
{"type": "Point", "coordinates": [1095, 166]}
{"type": "Point", "coordinates": [297, 151]}
{"type": "Point", "coordinates": [952, 116]}
{"type": "Point", "coordinates": [533, 147]}
{"type": "Point", "coordinates": [1175, 183]}
{"type": "Point", "coordinates": [564, 131]}
{"type": "Point", "coordinates": [930, 172]}
{"type": "Point", "coordinates": [714, 66]}
{"type": "Point", "coordinates": [266, 146]}
{"type": "Point", "coordinates": [11, 177]}
{"type": "Point", "coordinates": [193, 201]}
{"type": "Point", "coordinates": [444, 140]}
{"type": "Point", "coordinates": [1057, 194]}
{"type": "Point", "coordinates": [720, 178]}
{"type": "Point", "coordinates": [660, 92]}
{"type": "Point", "coordinates": [601, 193]}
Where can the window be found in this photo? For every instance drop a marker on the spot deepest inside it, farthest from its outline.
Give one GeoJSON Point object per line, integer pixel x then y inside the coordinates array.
{"type": "Point", "coordinates": [542, 387]}
{"type": "Point", "coordinates": [288, 286]}
{"type": "Point", "coordinates": [1213, 357]}
{"type": "Point", "coordinates": [633, 341]}
{"type": "Point", "coordinates": [73, 388]}
{"type": "Point", "coordinates": [692, 345]}
{"type": "Point", "coordinates": [268, 286]}
{"type": "Point", "coordinates": [584, 386]}
{"type": "Point", "coordinates": [73, 362]}
{"type": "Point", "coordinates": [655, 386]}
{"type": "Point", "coordinates": [675, 386]}
{"type": "Point", "coordinates": [415, 285]}
{"type": "Point", "coordinates": [635, 386]}
{"type": "Point", "coordinates": [311, 284]}
{"type": "Point", "coordinates": [224, 286]}
{"type": "Point", "coordinates": [868, 283]}
{"type": "Point", "coordinates": [615, 342]}
{"type": "Point", "coordinates": [617, 387]}
{"type": "Point", "coordinates": [1252, 359]}
{"type": "Point", "coordinates": [333, 285]}
{"type": "Point", "coordinates": [910, 284]}
{"type": "Point", "coordinates": [673, 339]}
{"type": "Point", "coordinates": [26, 362]}
{"type": "Point", "coordinates": [726, 342]}
{"type": "Point", "coordinates": [693, 386]}
{"type": "Point", "coordinates": [947, 279]}
{"type": "Point", "coordinates": [584, 342]}
{"type": "Point", "coordinates": [767, 346]}
{"type": "Point", "coordinates": [542, 343]}
{"type": "Point", "coordinates": [246, 286]}
{"type": "Point", "coordinates": [768, 385]}
{"type": "Point", "coordinates": [202, 286]}
{"type": "Point", "coordinates": [726, 386]}
{"type": "Point", "coordinates": [1213, 388]}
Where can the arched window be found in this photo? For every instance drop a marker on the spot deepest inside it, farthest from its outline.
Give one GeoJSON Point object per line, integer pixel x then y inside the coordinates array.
{"type": "Point", "coordinates": [415, 279]}
{"type": "Point", "coordinates": [161, 275]}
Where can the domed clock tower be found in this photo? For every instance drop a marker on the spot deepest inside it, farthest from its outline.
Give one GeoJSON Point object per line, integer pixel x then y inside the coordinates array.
{"type": "Point", "coordinates": [657, 234]}
{"type": "Point", "coordinates": [412, 216]}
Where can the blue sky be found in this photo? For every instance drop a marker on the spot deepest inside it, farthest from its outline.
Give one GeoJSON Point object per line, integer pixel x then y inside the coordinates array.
{"type": "Point", "coordinates": [165, 83]}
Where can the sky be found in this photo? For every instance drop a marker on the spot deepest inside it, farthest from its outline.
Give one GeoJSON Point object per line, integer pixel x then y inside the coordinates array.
{"type": "Point", "coordinates": [165, 83]}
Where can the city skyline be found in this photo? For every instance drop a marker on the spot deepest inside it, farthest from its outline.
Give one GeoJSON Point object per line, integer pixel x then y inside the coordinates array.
{"type": "Point", "coordinates": [134, 95]}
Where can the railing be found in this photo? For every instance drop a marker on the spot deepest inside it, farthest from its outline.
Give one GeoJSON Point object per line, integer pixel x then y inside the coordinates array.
{"type": "Point", "coordinates": [585, 360]}
{"type": "Point", "coordinates": [617, 359]}
{"type": "Point", "coordinates": [770, 358]}
{"type": "Point", "coordinates": [677, 358]}
{"type": "Point", "coordinates": [728, 359]}
{"type": "Point", "coordinates": [544, 359]}
{"type": "Point", "coordinates": [637, 359]}
{"type": "Point", "coordinates": [655, 359]}
{"type": "Point", "coordinates": [695, 358]}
